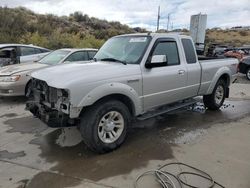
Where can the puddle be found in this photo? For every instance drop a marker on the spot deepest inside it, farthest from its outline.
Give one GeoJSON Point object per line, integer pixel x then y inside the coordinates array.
{"type": "Point", "coordinates": [9, 115]}
{"type": "Point", "coordinates": [78, 161]}
{"type": "Point", "coordinates": [11, 155]}
{"type": "Point", "coordinates": [12, 100]}
{"type": "Point", "coordinates": [26, 125]}
{"type": "Point", "coordinates": [51, 180]}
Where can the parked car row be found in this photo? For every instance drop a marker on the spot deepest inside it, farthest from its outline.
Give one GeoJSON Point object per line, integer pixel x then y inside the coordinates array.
{"type": "Point", "coordinates": [15, 79]}
{"type": "Point", "coordinates": [18, 53]}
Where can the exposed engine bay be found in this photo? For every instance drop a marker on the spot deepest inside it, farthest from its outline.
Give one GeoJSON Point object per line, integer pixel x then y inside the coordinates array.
{"type": "Point", "coordinates": [49, 104]}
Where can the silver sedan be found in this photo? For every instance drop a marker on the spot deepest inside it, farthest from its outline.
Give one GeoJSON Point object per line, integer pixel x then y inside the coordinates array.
{"type": "Point", "coordinates": [15, 79]}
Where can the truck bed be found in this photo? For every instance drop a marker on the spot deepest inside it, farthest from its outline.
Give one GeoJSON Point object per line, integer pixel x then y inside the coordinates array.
{"type": "Point", "coordinates": [201, 58]}
{"type": "Point", "coordinates": [212, 67]}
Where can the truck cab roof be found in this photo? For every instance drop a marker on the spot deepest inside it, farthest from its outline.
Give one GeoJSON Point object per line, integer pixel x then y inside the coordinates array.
{"type": "Point", "coordinates": [153, 34]}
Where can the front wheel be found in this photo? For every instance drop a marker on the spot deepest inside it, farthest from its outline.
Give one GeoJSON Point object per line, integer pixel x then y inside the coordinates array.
{"type": "Point", "coordinates": [215, 100]}
{"type": "Point", "coordinates": [248, 73]}
{"type": "Point", "coordinates": [104, 125]}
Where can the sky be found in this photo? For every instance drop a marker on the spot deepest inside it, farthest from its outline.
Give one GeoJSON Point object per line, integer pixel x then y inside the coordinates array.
{"type": "Point", "coordinates": [143, 13]}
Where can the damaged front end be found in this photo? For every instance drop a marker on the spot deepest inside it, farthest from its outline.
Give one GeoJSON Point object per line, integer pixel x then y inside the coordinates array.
{"type": "Point", "coordinates": [49, 104]}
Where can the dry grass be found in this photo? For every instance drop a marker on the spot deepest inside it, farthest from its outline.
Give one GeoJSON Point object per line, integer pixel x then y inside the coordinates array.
{"type": "Point", "coordinates": [234, 38]}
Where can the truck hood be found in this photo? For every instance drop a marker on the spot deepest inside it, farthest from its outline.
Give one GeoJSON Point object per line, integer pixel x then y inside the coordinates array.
{"type": "Point", "coordinates": [15, 69]}
{"type": "Point", "coordinates": [65, 75]}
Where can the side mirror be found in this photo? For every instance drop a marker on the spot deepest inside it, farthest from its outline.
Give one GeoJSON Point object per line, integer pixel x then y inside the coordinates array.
{"type": "Point", "coordinates": [67, 62]}
{"type": "Point", "coordinates": [157, 61]}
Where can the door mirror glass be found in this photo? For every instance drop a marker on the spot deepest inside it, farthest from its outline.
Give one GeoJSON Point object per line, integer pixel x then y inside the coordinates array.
{"type": "Point", "coordinates": [159, 59]}
{"type": "Point", "coordinates": [67, 61]}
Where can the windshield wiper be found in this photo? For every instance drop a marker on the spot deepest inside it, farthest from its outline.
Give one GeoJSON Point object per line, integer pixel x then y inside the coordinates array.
{"type": "Point", "coordinates": [114, 60]}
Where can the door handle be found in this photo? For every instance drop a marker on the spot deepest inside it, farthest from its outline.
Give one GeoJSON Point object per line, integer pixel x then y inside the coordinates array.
{"type": "Point", "coordinates": [181, 72]}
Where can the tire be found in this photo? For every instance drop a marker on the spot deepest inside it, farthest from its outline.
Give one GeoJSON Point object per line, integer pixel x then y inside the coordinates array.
{"type": "Point", "coordinates": [248, 73]}
{"type": "Point", "coordinates": [99, 121]}
{"type": "Point", "coordinates": [215, 100]}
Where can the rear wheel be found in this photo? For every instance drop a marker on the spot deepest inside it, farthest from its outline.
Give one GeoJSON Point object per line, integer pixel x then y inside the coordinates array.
{"type": "Point", "coordinates": [215, 100]}
{"type": "Point", "coordinates": [104, 125]}
{"type": "Point", "coordinates": [248, 73]}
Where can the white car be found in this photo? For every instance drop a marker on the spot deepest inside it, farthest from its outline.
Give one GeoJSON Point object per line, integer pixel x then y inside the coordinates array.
{"type": "Point", "coordinates": [15, 79]}
{"type": "Point", "coordinates": [20, 53]}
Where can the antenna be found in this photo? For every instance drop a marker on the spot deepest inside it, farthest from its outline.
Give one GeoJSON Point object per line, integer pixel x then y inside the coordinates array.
{"type": "Point", "coordinates": [158, 19]}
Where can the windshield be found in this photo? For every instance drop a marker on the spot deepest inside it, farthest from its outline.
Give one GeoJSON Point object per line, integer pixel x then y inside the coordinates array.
{"type": "Point", "coordinates": [127, 49]}
{"type": "Point", "coordinates": [54, 57]}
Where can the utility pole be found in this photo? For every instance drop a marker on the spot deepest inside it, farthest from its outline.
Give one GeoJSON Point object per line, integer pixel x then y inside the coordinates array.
{"type": "Point", "coordinates": [168, 21]}
{"type": "Point", "coordinates": [158, 18]}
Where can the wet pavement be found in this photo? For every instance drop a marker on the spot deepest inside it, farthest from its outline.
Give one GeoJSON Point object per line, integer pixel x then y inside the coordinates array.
{"type": "Point", "coordinates": [33, 155]}
{"type": "Point", "coordinates": [242, 79]}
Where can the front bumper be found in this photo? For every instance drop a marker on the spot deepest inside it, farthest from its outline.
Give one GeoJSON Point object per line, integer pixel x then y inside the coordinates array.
{"type": "Point", "coordinates": [12, 89]}
{"type": "Point", "coordinates": [50, 105]}
{"type": "Point", "coordinates": [52, 118]}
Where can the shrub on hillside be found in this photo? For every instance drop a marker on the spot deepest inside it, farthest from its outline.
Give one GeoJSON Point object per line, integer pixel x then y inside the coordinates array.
{"type": "Point", "coordinates": [243, 33]}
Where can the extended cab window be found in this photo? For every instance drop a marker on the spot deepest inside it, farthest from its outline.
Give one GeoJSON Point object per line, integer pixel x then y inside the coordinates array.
{"type": "Point", "coordinates": [189, 50]}
{"type": "Point", "coordinates": [168, 48]}
{"type": "Point", "coordinates": [5, 52]}
{"type": "Point", "coordinates": [91, 54]}
{"type": "Point", "coordinates": [78, 56]}
{"type": "Point", "coordinates": [27, 51]}
{"type": "Point", "coordinates": [40, 50]}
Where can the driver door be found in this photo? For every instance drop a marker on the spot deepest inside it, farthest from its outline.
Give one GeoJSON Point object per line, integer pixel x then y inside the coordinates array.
{"type": "Point", "coordinates": [165, 84]}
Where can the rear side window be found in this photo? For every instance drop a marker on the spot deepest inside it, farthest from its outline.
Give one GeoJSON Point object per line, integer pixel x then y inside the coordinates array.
{"type": "Point", "coordinates": [91, 54]}
{"type": "Point", "coordinates": [27, 51]}
{"type": "Point", "coordinates": [78, 56]}
{"type": "Point", "coordinates": [43, 50]}
{"type": "Point", "coordinates": [189, 50]}
{"type": "Point", "coordinates": [5, 53]}
{"type": "Point", "coordinates": [168, 48]}
{"type": "Point", "coordinates": [39, 50]}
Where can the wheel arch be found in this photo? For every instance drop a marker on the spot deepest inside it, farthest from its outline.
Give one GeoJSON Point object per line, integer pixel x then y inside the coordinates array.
{"type": "Point", "coordinates": [223, 74]}
{"type": "Point", "coordinates": [117, 91]}
{"type": "Point", "coordinates": [226, 78]}
{"type": "Point", "coordinates": [120, 97]}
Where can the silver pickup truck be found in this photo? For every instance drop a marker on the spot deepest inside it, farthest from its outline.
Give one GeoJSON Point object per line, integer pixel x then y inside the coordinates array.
{"type": "Point", "coordinates": [135, 76]}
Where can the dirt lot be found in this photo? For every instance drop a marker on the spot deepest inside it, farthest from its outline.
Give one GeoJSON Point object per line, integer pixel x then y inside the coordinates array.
{"type": "Point", "coordinates": [34, 156]}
